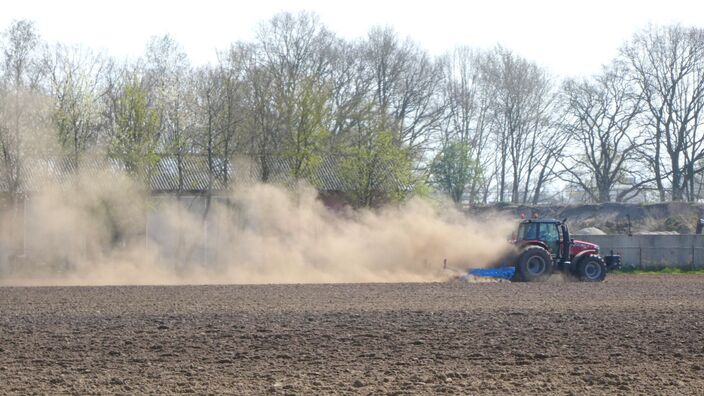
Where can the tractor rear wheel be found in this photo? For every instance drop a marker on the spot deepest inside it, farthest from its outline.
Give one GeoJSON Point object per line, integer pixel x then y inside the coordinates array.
{"type": "Point", "coordinates": [534, 265]}
{"type": "Point", "coordinates": [591, 269]}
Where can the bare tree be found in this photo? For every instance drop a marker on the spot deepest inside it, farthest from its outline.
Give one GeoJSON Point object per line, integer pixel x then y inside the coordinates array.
{"type": "Point", "coordinates": [601, 123]}
{"type": "Point", "coordinates": [521, 109]}
{"type": "Point", "coordinates": [233, 114]}
{"type": "Point", "coordinates": [406, 88]}
{"type": "Point", "coordinates": [668, 68]}
{"type": "Point", "coordinates": [220, 113]}
{"type": "Point", "coordinates": [351, 84]}
{"type": "Point", "coordinates": [547, 148]}
{"type": "Point", "coordinates": [465, 134]}
{"type": "Point", "coordinates": [262, 122]}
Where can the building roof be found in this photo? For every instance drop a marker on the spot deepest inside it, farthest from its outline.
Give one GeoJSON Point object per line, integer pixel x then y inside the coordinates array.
{"type": "Point", "coordinates": [37, 174]}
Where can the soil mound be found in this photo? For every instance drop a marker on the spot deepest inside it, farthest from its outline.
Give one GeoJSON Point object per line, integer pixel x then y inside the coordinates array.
{"type": "Point", "coordinates": [611, 218]}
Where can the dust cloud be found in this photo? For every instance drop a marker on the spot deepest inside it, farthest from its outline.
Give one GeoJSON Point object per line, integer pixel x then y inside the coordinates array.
{"type": "Point", "coordinates": [102, 229]}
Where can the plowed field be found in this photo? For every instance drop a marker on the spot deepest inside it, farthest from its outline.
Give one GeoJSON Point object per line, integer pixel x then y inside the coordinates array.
{"type": "Point", "coordinates": [631, 334]}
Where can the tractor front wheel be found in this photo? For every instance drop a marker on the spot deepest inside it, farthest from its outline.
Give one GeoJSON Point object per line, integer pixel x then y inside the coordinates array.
{"type": "Point", "coordinates": [591, 269]}
{"type": "Point", "coordinates": [534, 265]}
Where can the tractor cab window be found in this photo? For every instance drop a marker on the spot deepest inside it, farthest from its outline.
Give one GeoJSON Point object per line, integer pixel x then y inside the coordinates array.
{"type": "Point", "coordinates": [528, 231]}
{"type": "Point", "coordinates": [550, 234]}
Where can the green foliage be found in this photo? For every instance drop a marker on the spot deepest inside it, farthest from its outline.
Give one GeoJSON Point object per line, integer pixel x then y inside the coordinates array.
{"type": "Point", "coordinates": [308, 131]}
{"type": "Point", "coordinates": [76, 118]}
{"type": "Point", "coordinates": [65, 121]}
{"type": "Point", "coordinates": [421, 189]}
{"type": "Point", "coordinates": [454, 169]}
{"type": "Point", "coordinates": [376, 170]}
{"type": "Point", "coordinates": [136, 128]}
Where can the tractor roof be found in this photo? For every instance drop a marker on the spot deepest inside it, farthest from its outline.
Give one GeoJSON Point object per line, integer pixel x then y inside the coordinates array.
{"type": "Point", "coordinates": [542, 220]}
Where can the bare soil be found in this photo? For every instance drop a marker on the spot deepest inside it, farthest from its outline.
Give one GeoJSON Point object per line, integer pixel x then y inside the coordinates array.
{"type": "Point", "coordinates": [631, 334]}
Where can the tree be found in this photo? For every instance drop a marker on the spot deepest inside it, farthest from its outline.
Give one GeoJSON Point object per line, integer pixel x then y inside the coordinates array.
{"type": "Point", "coordinates": [374, 168]}
{"type": "Point", "coordinates": [667, 65]}
{"type": "Point", "coordinates": [601, 125]}
{"type": "Point", "coordinates": [136, 131]}
{"type": "Point", "coordinates": [20, 43]}
{"type": "Point", "coordinates": [166, 80]}
{"type": "Point", "coordinates": [454, 169]}
{"type": "Point", "coordinates": [351, 82]}
{"type": "Point", "coordinates": [265, 140]}
{"type": "Point", "coordinates": [521, 111]}
{"type": "Point", "coordinates": [293, 51]}
{"type": "Point", "coordinates": [467, 108]}
{"type": "Point", "coordinates": [21, 105]}
{"type": "Point", "coordinates": [305, 143]}
{"type": "Point", "coordinates": [406, 83]}
{"type": "Point", "coordinates": [233, 115]}
{"type": "Point", "coordinates": [220, 113]}
{"type": "Point", "coordinates": [74, 76]}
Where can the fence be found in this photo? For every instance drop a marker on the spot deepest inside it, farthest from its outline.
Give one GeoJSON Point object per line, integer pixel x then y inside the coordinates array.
{"type": "Point", "coordinates": [653, 251]}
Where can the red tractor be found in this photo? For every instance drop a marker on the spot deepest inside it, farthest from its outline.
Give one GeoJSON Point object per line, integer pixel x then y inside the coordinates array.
{"type": "Point", "coordinates": [545, 247]}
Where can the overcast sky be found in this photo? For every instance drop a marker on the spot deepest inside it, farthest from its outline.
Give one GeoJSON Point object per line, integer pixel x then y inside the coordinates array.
{"type": "Point", "coordinates": [568, 37]}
